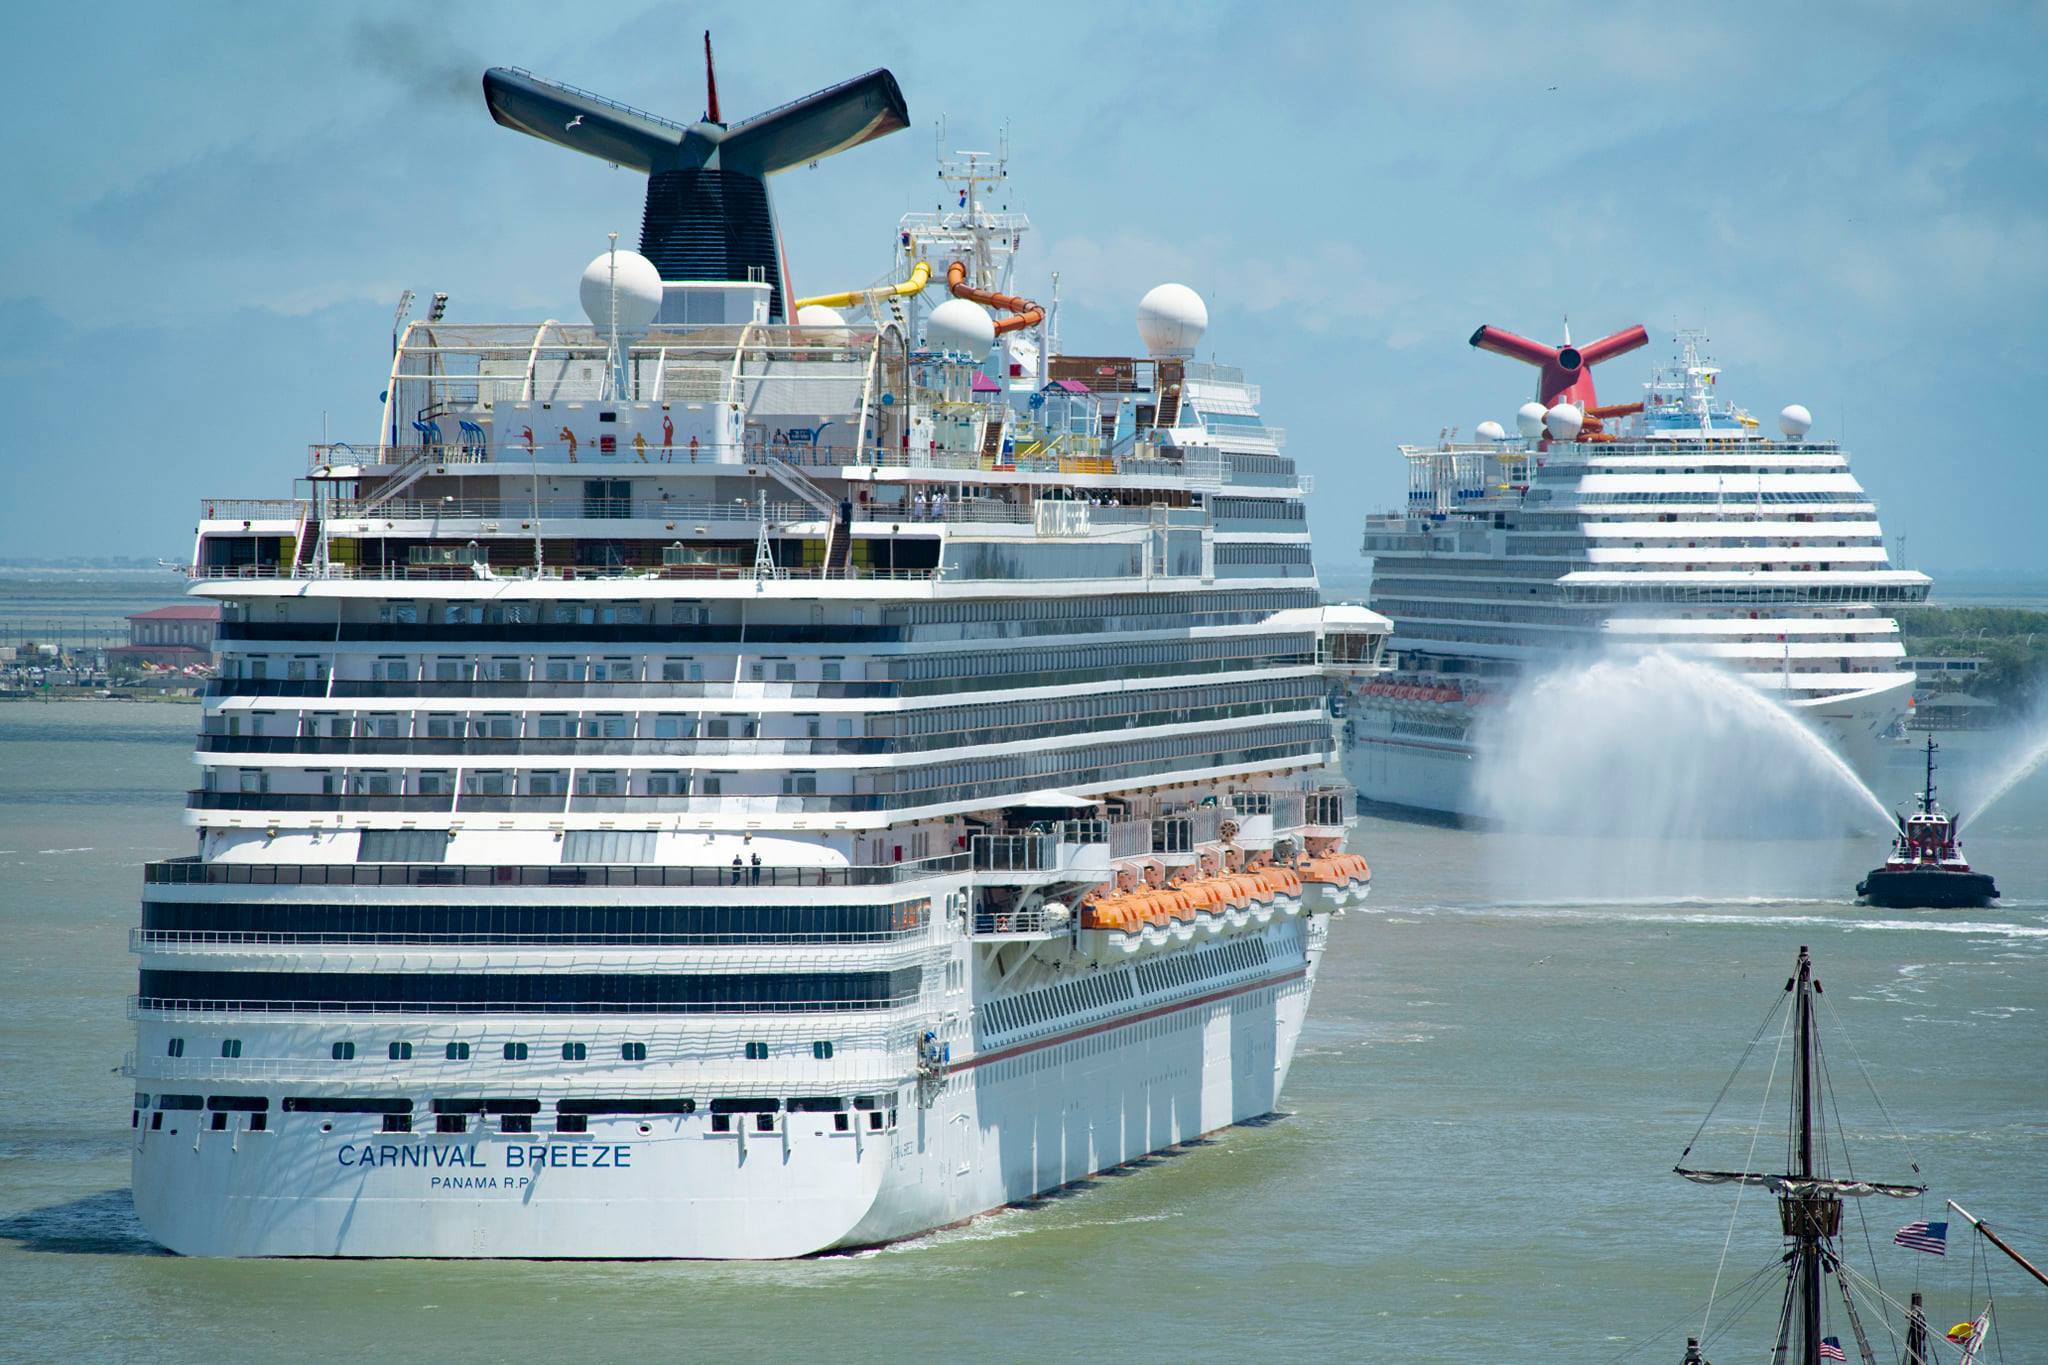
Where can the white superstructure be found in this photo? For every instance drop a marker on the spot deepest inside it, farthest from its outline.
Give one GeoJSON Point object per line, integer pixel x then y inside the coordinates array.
{"type": "Point", "coordinates": [741, 790]}
{"type": "Point", "coordinates": [1686, 529]}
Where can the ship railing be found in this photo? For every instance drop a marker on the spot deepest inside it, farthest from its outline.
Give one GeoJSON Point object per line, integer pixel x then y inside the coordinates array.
{"type": "Point", "coordinates": [399, 747]}
{"type": "Point", "coordinates": [1183, 831]}
{"type": "Point", "coordinates": [1032, 921]}
{"type": "Point", "coordinates": [209, 1007]}
{"type": "Point", "coordinates": [485, 572]}
{"type": "Point", "coordinates": [193, 872]}
{"type": "Point", "coordinates": [1014, 852]}
{"type": "Point", "coordinates": [504, 510]}
{"type": "Point", "coordinates": [140, 940]}
{"type": "Point", "coordinates": [489, 688]}
{"type": "Point", "coordinates": [1130, 838]}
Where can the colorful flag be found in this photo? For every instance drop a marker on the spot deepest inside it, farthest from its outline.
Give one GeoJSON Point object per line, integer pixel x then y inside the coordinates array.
{"type": "Point", "coordinates": [1923, 1237]}
{"type": "Point", "coordinates": [1831, 1349]}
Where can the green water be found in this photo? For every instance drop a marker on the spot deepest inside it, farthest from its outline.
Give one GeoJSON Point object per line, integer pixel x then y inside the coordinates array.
{"type": "Point", "coordinates": [1473, 1163]}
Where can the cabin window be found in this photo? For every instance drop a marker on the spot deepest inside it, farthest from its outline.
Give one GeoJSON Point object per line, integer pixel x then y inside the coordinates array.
{"type": "Point", "coordinates": [822, 1051]}
{"type": "Point", "coordinates": [458, 1052]}
{"type": "Point", "coordinates": [842, 1122]}
{"type": "Point", "coordinates": [451, 1123]}
{"type": "Point", "coordinates": [516, 1123]}
{"type": "Point", "coordinates": [764, 1123]}
{"type": "Point", "coordinates": [721, 1123]}
{"type": "Point", "coordinates": [757, 1052]}
{"type": "Point", "coordinates": [575, 1052]}
{"type": "Point", "coordinates": [398, 1123]}
{"type": "Point", "coordinates": [633, 1052]}
{"type": "Point", "coordinates": [220, 1123]}
{"type": "Point", "coordinates": [343, 1052]}
{"type": "Point", "coordinates": [572, 1123]}
{"type": "Point", "coordinates": [231, 1047]}
{"type": "Point", "coordinates": [515, 1052]}
{"type": "Point", "coordinates": [175, 1048]}
{"type": "Point", "coordinates": [400, 1052]}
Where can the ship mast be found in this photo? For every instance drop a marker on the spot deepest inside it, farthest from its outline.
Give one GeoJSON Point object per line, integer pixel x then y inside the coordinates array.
{"type": "Point", "coordinates": [1809, 1199]}
{"type": "Point", "coordinates": [1810, 1218]}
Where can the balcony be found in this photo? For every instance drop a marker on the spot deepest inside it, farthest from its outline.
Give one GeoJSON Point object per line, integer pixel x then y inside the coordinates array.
{"type": "Point", "coordinates": [193, 872]}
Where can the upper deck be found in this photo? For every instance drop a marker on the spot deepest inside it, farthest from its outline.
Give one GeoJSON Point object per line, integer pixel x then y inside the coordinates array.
{"type": "Point", "coordinates": [784, 454]}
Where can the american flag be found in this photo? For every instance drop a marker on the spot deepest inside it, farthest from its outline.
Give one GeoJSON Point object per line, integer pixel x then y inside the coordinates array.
{"type": "Point", "coordinates": [1923, 1237]}
{"type": "Point", "coordinates": [1831, 1349]}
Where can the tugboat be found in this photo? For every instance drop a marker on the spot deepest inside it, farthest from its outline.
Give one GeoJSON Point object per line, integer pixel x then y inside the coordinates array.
{"type": "Point", "coordinates": [1926, 869]}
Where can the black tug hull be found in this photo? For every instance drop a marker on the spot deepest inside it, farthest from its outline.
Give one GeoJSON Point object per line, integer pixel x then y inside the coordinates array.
{"type": "Point", "coordinates": [1926, 888]}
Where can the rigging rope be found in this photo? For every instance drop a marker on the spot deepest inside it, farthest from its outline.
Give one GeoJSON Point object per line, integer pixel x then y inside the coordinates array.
{"type": "Point", "coordinates": [1755, 1132]}
{"type": "Point", "coordinates": [1742, 1061]}
{"type": "Point", "coordinates": [1862, 1213]}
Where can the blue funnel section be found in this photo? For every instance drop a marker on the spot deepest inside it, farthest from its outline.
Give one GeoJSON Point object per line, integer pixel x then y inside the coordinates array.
{"type": "Point", "coordinates": [708, 215]}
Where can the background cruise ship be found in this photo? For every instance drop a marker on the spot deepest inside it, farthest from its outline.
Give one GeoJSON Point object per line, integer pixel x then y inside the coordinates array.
{"type": "Point", "coordinates": [697, 784]}
{"type": "Point", "coordinates": [1672, 522]}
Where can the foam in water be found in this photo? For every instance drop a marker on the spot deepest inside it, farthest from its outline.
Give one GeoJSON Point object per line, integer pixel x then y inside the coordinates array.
{"type": "Point", "coordinates": [1626, 775]}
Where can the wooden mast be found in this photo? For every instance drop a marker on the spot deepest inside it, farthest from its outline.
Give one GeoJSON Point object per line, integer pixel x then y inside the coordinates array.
{"type": "Point", "coordinates": [1998, 1242]}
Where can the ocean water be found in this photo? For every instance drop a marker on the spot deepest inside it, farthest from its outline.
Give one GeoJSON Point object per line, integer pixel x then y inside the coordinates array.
{"type": "Point", "coordinates": [1473, 1162]}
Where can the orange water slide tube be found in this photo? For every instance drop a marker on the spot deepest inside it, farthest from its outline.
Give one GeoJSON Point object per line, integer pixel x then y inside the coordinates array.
{"type": "Point", "coordinates": [1023, 312]}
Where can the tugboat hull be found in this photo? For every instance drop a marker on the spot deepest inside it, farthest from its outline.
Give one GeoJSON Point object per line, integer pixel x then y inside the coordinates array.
{"type": "Point", "coordinates": [1927, 889]}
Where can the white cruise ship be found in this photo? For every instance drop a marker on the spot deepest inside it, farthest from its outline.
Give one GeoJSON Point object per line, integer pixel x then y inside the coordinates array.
{"type": "Point", "coordinates": [1672, 522]}
{"type": "Point", "coordinates": [703, 785]}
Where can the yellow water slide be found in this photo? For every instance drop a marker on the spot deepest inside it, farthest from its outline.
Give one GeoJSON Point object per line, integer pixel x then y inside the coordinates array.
{"type": "Point", "coordinates": [920, 276]}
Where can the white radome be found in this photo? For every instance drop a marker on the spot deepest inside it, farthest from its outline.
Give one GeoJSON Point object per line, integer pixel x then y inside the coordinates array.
{"type": "Point", "coordinates": [639, 291]}
{"type": "Point", "coordinates": [1171, 320]}
{"type": "Point", "coordinates": [961, 326]}
{"type": "Point", "coordinates": [1529, 419]}
{"type": "Point", "coordinates": [1492, 431]}
{"type": "Point", "coordinates": [818, 315]}
{"type": "Point", "coordinates": [1795, 421]}
{"type": "Point", "coordinates": [1563, 422]}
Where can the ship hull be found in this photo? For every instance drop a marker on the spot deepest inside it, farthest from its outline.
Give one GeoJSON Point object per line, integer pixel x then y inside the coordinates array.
{"type": "Point", "coordinates": [1925, 888]}
{"type": "Point", "coordinates": [1013, 1122]}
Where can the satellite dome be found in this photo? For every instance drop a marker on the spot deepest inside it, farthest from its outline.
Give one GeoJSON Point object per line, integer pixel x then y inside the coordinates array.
{"type": "Point", "coordinates": [818, 315]}
{"type": "Point", "coordinates": [1563, 422]}
{"type": "Point", "coordinates": [639, 292]}
{"type": "Point", "coordinates": [1795, 421]}
{"type": "Point", "coordinates": [1171, 320]}
{"type": "Point", "coordinates": [1492, 431]}
{"type": "Point", "coordinates": [1529, 419]}
{"type": "Point", "coordinates": [960, 326]}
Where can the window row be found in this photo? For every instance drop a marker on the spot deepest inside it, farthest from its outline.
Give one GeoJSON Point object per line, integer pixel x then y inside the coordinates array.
{"type": "Point", "coordinates": [449, 992]}
{"type": "Point", "coordinates": [300, 922]}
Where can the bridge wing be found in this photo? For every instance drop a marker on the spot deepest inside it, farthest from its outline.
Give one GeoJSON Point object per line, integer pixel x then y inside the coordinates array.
{"type": "Point", "coordinates": [832, 120]}
{"type": "Point", "coordinates": [581, 121]}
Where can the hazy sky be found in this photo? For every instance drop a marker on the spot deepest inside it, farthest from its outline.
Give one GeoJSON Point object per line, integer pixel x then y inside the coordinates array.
{"type": "Point", "coordinates": [211, 209]}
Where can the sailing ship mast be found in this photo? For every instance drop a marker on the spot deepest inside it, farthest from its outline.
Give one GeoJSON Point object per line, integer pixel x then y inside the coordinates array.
{"type": "Point", "coordinates": [1809, 1200]}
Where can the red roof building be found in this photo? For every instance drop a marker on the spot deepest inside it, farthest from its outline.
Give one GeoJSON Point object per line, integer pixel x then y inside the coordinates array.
{"type": "Point", "coordinates": [177, 635]}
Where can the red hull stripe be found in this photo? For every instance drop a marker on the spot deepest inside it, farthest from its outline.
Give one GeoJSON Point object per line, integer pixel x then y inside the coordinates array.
{"type": "Point", "coordinates": [1019, 1049]}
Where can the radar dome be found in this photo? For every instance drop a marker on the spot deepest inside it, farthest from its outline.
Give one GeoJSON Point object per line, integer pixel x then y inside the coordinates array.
{"type": "Point", "coordinates": [1171, 320]}
{"type": "Point", "coordinates": [961, 326]}
{"type": "Point", "coordinates": [818, 315]}
{"type": "Point", "coordinates": [639, 292]}
{"type": "Point", "coordinates": [1563, 422]}
{"type": "Point", "coordinates": [1795, 421]}
{"type": "Point", "coordinates": [1529, 420]}
{"type": "Point", "coordinates": [1492, 431]}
